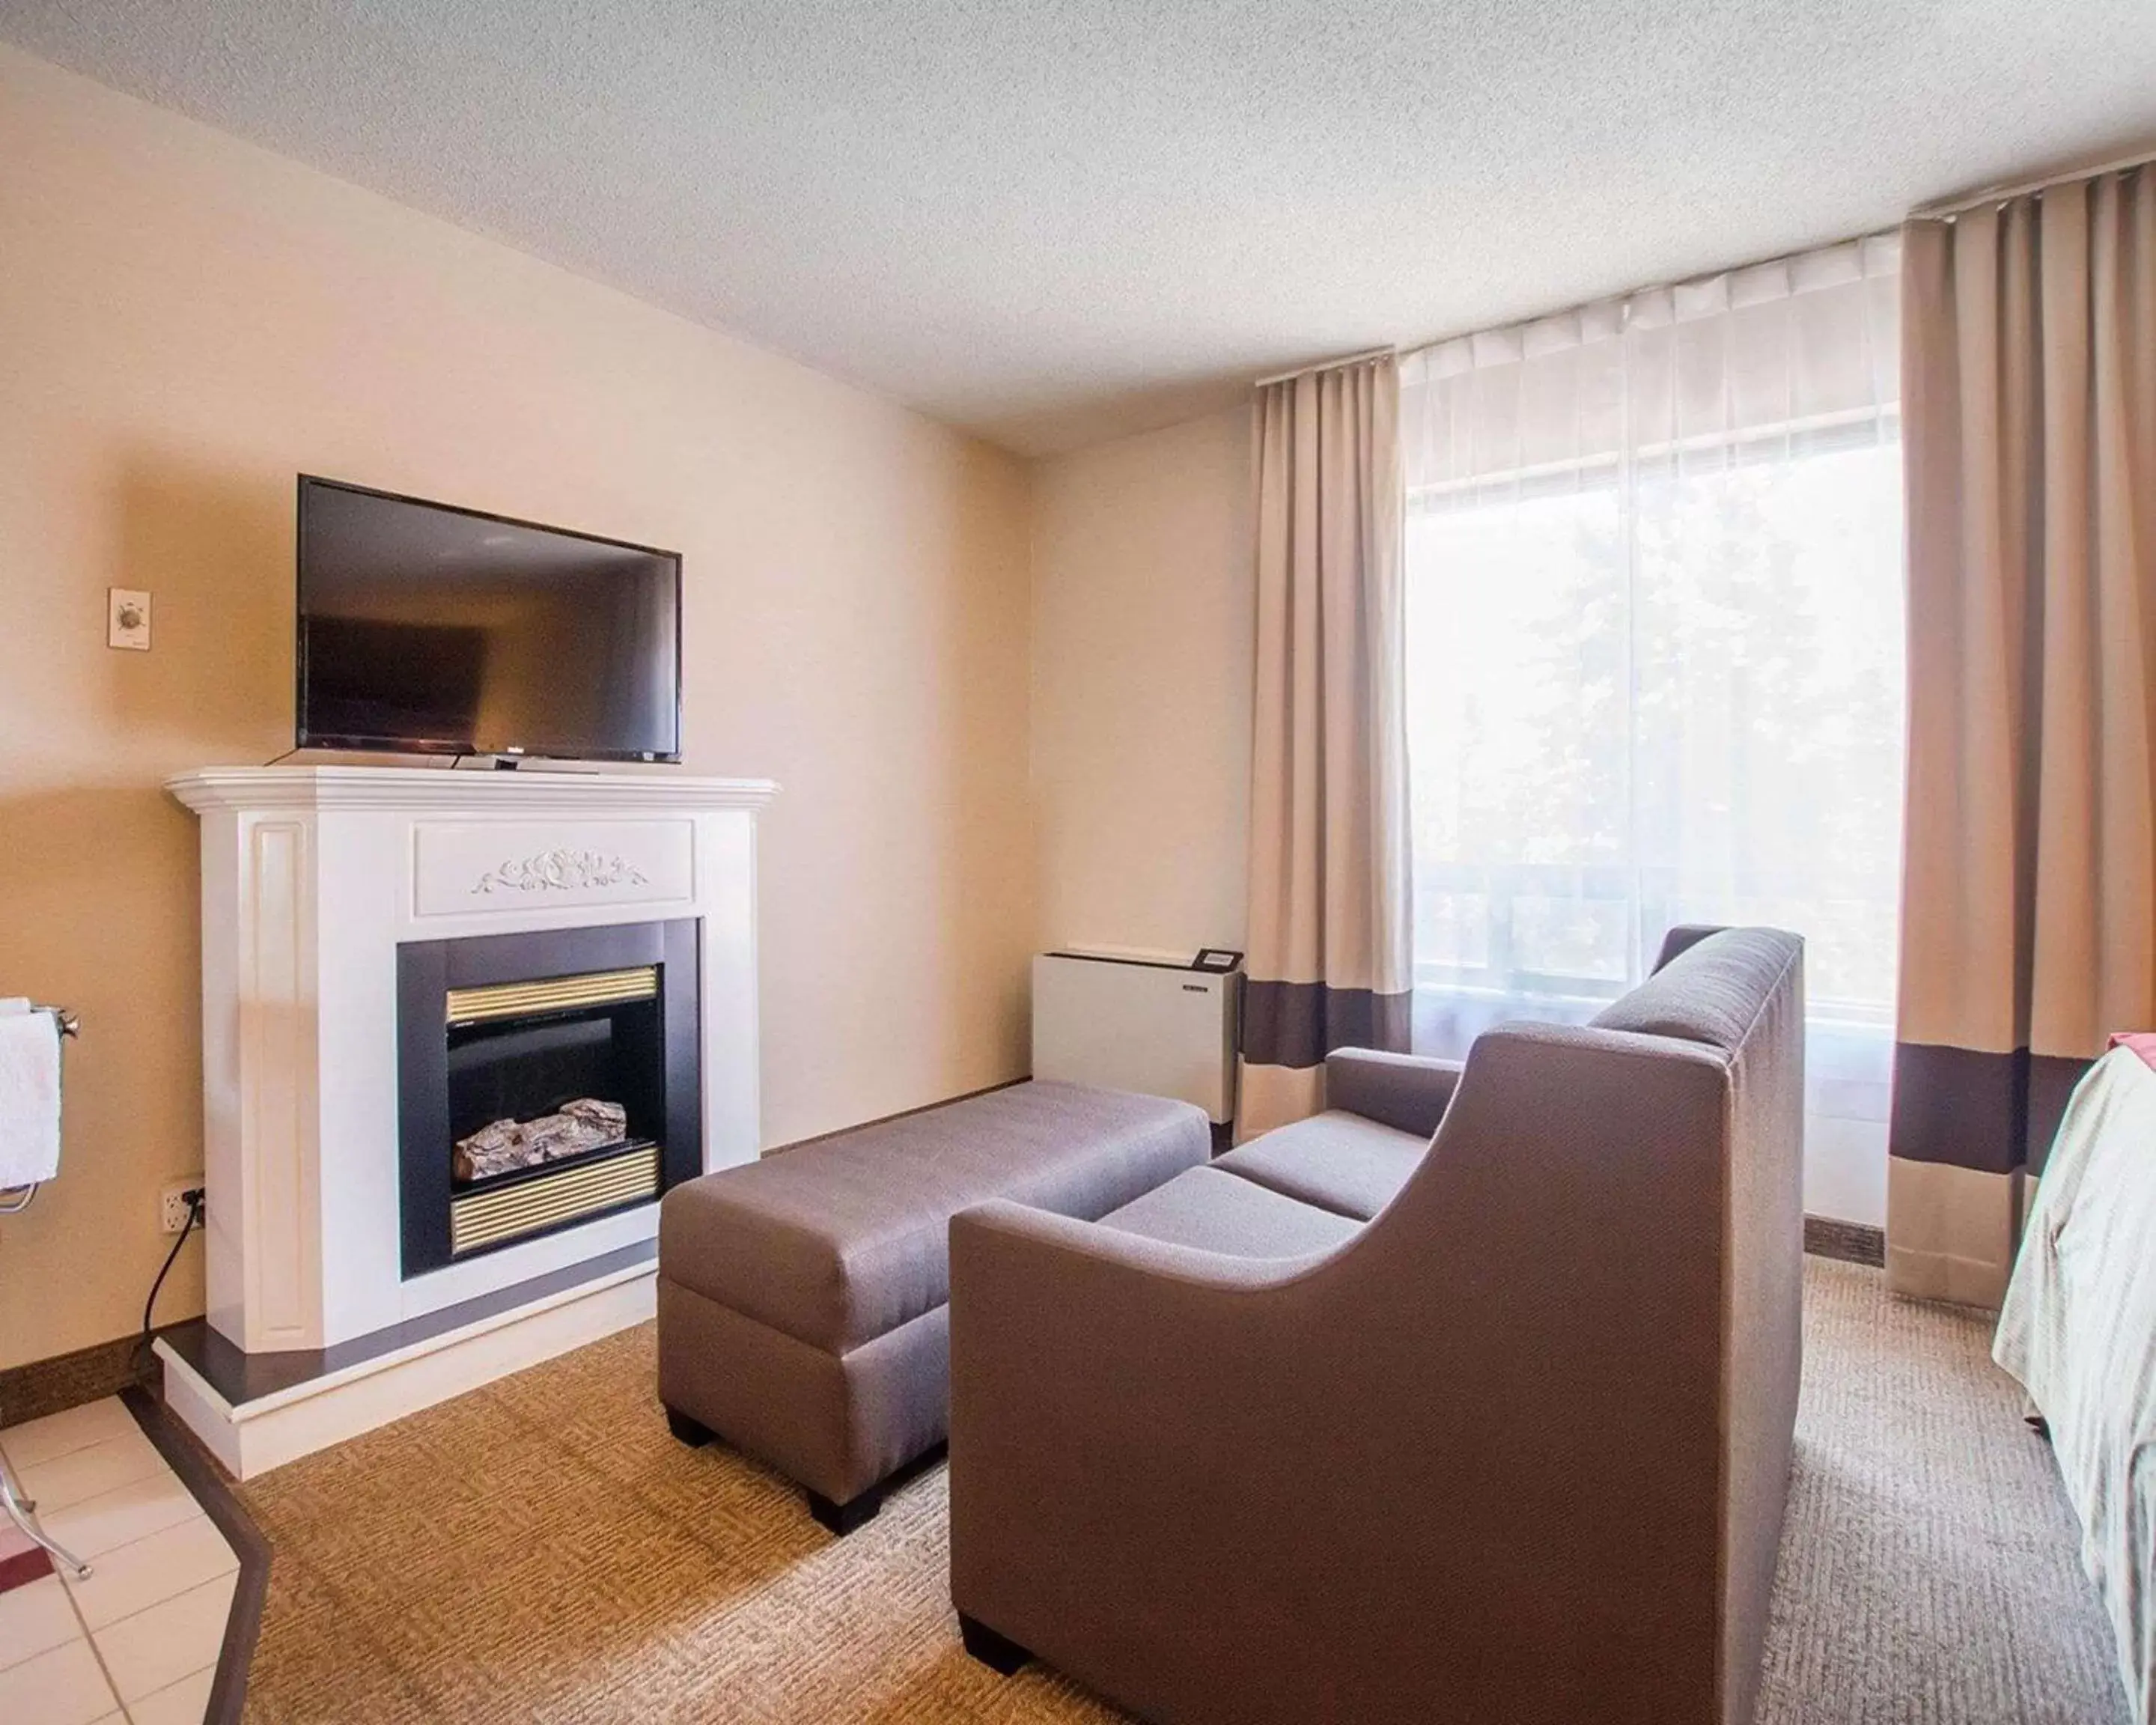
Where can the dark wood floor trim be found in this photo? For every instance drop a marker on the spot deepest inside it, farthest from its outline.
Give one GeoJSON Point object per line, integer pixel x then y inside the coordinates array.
{"type": "Point", "coordinates": [68, 1380]}
{"type": "Point", "coordinates": [243, 1627]}
{"type": "Point", "coordinates": [1852, 1242]}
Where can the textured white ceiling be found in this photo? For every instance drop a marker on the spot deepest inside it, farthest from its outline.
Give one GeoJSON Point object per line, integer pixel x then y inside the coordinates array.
{"type": "Point", "coordinates": [1051, 222]}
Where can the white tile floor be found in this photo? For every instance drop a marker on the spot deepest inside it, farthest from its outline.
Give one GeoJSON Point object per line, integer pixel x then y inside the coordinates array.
{"type": "Point", "coordinates": [138, 1640]}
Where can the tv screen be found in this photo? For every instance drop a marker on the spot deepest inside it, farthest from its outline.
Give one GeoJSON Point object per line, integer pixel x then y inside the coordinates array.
{"type": "Point", "coordinates": [440, 630]}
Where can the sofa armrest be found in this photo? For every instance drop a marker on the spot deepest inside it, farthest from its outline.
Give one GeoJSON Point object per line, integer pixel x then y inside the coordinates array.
{"type": "Point", "coordinates": [1407, 1093]}
{"type": "Point", "coordinates": [1099, 1381]}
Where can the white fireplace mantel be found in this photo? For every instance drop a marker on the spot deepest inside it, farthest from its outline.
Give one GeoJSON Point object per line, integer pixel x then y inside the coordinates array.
{"type": "Point", "coordinates": [311, 878]}
{"type": "Point", "coordinates": [422, 789]}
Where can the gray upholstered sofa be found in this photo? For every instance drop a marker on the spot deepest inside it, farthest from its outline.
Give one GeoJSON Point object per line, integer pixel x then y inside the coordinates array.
{"type": "Point", "coordinates": [1359, 1425]}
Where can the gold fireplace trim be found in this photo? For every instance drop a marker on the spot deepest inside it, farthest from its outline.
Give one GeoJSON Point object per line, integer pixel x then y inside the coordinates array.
{"type": "Point", "coordinates": [559, 994]}
{"type": "Point", "coordinates": [485, 1219]}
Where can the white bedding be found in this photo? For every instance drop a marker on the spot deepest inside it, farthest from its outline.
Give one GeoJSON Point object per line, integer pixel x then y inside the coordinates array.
{"type": "Point", "coordinates": [2078, 1328]}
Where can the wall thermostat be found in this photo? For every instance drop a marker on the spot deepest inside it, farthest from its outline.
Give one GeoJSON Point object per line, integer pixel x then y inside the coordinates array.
{"type": "Point", "coordinates": [127, 618]}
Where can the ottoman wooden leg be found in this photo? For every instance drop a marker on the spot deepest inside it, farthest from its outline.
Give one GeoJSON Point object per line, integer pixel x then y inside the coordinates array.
{"type": "Point", "coordinates": [842, 1518]}
{"type": "Point", "coordinates": [998, 1652]}
{"type": "Point", "coordinates": [688, 1430]}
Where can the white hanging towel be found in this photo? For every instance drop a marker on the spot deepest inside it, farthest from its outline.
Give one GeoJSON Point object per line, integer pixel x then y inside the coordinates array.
{"type": "Point", "coordinates": [29, 1095]}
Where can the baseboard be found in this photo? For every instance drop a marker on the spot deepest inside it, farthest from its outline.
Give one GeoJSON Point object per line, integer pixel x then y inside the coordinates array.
{"type": "Point", "coordinates": [1851, 1242]}
{"type": "Point", "coordinates": [70, 1380]}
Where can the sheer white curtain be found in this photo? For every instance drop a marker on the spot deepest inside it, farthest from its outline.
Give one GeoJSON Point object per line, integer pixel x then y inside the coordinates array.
{"type": "Point", "coordinates": [1655, 659]}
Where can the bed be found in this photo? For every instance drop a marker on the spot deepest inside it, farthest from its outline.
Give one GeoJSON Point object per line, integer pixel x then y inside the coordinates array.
{"type": "Point", "coordinates": [2078, 1329]}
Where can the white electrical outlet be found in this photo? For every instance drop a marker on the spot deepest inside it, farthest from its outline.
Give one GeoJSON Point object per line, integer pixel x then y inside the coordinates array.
{"type": "Point", "coordinates": [172, 1211]}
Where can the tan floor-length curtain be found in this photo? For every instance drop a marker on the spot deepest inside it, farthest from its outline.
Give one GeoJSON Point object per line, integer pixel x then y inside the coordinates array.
{"type": "Point", "coordinates": [1329, 957]}
{"type": "Point", "coordinates": [2028, 395]}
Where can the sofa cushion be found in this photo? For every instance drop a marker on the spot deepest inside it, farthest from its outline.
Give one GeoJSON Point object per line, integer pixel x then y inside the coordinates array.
{"type": "Point", "coordinates": [843, 1240]}
{"type": "Point", "coordinates": [1218, 1212]}
{"type": "Point", "coordinates": [1337, 1161]}
{"type": "Point", "coordinates": [1709, 992]}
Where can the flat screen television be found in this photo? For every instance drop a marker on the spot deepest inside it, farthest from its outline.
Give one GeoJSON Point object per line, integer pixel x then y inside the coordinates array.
{"type": "Point", "coordinates": [431, 629]}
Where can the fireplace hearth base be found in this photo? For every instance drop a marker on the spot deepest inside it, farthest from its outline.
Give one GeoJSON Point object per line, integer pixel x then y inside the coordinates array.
{"type": "Point", "coordinates": [257, 1411]}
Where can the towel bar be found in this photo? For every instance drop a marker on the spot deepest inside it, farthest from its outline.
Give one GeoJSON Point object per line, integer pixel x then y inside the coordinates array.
{"type": "Point", "coordinates": [15, 1200]}
{"type": "Point", "coordinates": [22, 1511]}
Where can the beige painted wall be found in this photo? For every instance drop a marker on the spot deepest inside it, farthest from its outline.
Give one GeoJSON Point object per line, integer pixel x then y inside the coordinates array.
{"type": "Point", "coordinates": [1142, 637]}
{"type": "Point", "coordinates": [185, 322]}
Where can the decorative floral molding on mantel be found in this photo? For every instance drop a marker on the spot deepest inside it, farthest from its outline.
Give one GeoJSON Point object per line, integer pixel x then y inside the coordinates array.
{"type": "Point", "coordinates": [560, 870]}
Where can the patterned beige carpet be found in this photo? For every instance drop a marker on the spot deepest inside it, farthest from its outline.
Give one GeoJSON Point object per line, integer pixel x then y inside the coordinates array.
{"type": "Point", "coordinates": [541, 1550]}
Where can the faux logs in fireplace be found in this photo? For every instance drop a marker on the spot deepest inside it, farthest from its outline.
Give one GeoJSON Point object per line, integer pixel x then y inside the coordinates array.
{"type": "Point", "coordinates": [545, 1078]}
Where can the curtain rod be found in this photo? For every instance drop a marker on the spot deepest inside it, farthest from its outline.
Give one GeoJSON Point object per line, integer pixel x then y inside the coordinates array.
{"type": "Point", "coordinates": [1325, 365]}
{"type": "Point", "coordinates": [1947, 207]}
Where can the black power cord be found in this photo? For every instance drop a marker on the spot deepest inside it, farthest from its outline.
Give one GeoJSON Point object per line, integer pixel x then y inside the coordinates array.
{"type": "Point", "coordinates": [192, 1198]}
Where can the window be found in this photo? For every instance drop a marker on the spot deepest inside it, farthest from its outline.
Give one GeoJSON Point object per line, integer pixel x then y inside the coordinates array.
{"type": "Point", "coordinates": [1654, 661]}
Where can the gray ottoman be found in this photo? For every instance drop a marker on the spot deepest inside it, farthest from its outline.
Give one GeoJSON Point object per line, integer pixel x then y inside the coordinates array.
{"type": "Point", "coordinates": [801, 1298]}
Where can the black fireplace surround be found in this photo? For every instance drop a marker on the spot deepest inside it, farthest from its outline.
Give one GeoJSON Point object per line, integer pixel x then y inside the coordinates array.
{"type": "Point", "coordinates": [640, 1052]}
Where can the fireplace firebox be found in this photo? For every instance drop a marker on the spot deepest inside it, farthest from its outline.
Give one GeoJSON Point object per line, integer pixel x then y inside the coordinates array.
{"type": "Point", "coordinates": [544, 1079]}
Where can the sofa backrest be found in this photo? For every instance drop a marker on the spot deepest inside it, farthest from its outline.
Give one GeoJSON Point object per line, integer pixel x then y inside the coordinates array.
{"type": "Point", "coordinates": [1710, 988]}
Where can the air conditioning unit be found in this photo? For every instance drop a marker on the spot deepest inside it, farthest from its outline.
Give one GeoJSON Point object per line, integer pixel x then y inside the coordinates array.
{"type": "Point", "coordinates": [1152, 1025]}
